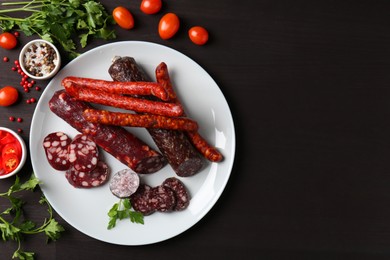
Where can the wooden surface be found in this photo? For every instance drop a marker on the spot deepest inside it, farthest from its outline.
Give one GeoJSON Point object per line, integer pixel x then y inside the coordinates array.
{"type": "Point", "coordinates": [308, 84]}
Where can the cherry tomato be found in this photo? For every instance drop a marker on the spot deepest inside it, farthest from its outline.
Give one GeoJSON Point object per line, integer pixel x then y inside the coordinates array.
{"type": "Point", "coordinates": [151, 6]}
{"type": "Point", "coordinates": [168, 26]}
{"type": "Point", "coordinates": [8, 41]}
{"type": "Point", "coordinates": [123, 17]}
{"type": "Point", "coordinates": [8, 96]}
{"type": "Point", "coordinates": [198, 35]}
{"type": "Point", "coordinates": [10, 162]}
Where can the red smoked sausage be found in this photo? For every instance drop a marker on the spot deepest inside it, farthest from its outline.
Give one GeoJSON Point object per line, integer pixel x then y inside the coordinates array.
{"type": "Point", "coordinates": [125, 102]}
{"type": "Point", "coordinates": [138, 120]}
{"type": "Point", "coordinates": [207, 150]}
{"type": "Point", "coordinates": [116, 87]}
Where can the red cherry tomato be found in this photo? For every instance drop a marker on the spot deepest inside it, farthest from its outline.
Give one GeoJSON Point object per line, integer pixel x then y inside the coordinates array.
{"type": "Point", "coordinates": [168, 26]}
{"type": "Point", "coordinates": [123, 17]}
{"type": "Point", "coordinates": [198, 35]}
{"type": "Point", "coordinates": [8, 41]}
{"type": "Point", "coordinates": [151, 6]}
{"type": "Point", "coordinates": [8, 96]}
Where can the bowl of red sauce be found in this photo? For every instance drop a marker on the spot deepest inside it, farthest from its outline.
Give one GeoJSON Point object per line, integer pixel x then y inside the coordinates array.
{"type": "Point", "coordinates": [40, 59]}
{"type": "Point", "coordinates": [13, 153]}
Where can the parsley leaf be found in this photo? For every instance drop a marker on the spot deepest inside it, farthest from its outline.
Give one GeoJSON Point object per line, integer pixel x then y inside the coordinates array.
{"type": "Point", "coordinates": [15, 229]}
{"type": "Point", "coordinates": [122, 210]}
{"type": "Point", "coordinates": [60, 21]}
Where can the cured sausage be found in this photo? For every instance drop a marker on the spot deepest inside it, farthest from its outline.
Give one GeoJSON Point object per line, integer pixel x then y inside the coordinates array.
{"type": "Point", "coordinates": [95, 178]}
{"type": "Point", "coordinates": [115, 140]}
{"type": "Point", "coordinates": [124, 102]}
{"type": "Point", "coordinates": [115, 87]}
{"type": "Point", "coordinates": [124, 183]}
{"type": "Point", "coordinates": [208, 151]}
{"type": "Point", "coordinates": [162, 198]}
{"type": "Point", "coordinates": [140, 200]}
{"type": "Point", "coordinates": [180, 191]}
{"type": "Point", "coordinates": [83, 153]}
{"type": "Point", "coordinates": [56, 148]}
{"type": "Point", "coordinates": [138, 120]}
{"type": "Point", "coordinates": [184, 159]}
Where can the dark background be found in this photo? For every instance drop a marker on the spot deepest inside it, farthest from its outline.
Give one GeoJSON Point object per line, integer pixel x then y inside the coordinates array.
{"type": "Point", "coordinates": [308, 85]}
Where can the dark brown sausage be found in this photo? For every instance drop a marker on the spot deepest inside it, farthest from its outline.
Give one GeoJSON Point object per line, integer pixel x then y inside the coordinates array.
{"type": "Point", "coordinates": [138, 120]}
{"type": "Point", "coordinates": [208, 151]}
{"type": "Point", "coordinates": [125, 102]}
{"type": "Point", "coordinates": [174, 145]}
{"type": "Point", "coordinates": [115, 87]}
{"type": "Point", "coordinates": [123, 145]}
{"type": "Point", "coordinates": [181, 193]}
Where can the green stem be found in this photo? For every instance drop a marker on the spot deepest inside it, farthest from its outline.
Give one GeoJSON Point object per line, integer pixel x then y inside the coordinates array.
{"type": "Point", "coordinates": [21, 9]}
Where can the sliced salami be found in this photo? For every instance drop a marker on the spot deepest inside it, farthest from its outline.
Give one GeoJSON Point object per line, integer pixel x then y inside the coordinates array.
{"type": "Point", "coordinates": [181, 193]}
{"type": "Point", "coordinates": [95, 178]}
{"type": "Point", "coordinates": [140, 200]}
{"type": "Point", "coordinates": [83, 153]}
{"type": "Point", "coordinates": [124, 183]}
{"type": "Point", "coordinates": [56, 148]}
{"type": "Point", "coordinates": [162, 198]}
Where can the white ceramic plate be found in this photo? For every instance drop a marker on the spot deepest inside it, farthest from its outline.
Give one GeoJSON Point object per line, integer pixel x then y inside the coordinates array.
{"type": "Point", "coordinates": [86, 209]}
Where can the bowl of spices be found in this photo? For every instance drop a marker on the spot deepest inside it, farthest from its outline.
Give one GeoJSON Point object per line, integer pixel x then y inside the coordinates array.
{"type": "Point", "coordinates": [40, 59]}
{"type": "Point", "coordinates": [13, 153]}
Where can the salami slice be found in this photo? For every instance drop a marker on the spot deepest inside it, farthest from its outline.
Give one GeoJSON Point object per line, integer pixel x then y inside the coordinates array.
{"type": "Point", "coordinates": [56, 148]}
{"type": "Point", "coordinates": [124, 183]}
{"type": "Point", "coordinates": [162, 198]}
{"type": "Point", "coordinates": [95, 178]}
{"type": "Point", "coordinates": [181, 193]}
{"type": "Point", "coordinates": [140, 200]}
{"type": "Point", "coordinates": [83, 153]}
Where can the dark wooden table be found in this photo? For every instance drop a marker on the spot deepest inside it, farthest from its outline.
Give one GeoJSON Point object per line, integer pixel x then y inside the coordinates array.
{"type": "Point", "coordinates": [308, 83]}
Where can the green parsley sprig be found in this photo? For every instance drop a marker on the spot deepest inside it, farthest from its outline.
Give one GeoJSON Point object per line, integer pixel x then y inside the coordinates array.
{"type": "Point", "coordinates": [59, 21]}
{"type": "Point", "coordinates": [122, 210]}
{"type": "Point", "coordinates": [16, 228]}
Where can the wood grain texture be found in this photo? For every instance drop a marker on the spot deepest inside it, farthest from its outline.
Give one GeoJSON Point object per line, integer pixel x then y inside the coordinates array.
{"type": "Point", "coordinates": [308, 84]}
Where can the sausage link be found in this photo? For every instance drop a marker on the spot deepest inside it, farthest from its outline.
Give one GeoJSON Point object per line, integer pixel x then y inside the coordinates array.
{"type": "Point", "coordinates": [139, 120]}
{"type": "Point", "coordinates": [207, 150]}
{"type": "Point", "coordinates": [125, 102]}
{"type": "Point", "coordinates": [115, 87]}
{"type": "Point", "coordinates": [174, 145]}
{"type": "Point", "coordinates": [115, 140]}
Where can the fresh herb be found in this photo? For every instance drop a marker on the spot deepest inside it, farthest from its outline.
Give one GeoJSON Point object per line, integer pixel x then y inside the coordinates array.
{"type": "Point", "coordinates": [122, 210]}
{"type": "Point", "coordinates": [59, 21]}
{"type": "Point", "coordinates": [16, 228]}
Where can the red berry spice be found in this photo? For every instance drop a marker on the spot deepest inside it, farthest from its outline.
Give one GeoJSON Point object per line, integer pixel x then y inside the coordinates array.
{"type": "Point", "coordinates": [5, 59]}
{"type": "Point", "coordinates": [20, 119]}
{"type": "Point", "coordinates": [16, 34]}
{"type": "Point", "coordinates": [11, 118]}
{"type": "Point", "coordinates": [37, 88]}
{"type": "Point", "coordinates": [20, 130]}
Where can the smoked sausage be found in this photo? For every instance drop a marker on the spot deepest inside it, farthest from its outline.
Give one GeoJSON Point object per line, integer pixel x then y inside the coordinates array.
{"type": "Point", "coordinates": [184, 159]}
{"type": "Point", "coordinates": [115, 140]}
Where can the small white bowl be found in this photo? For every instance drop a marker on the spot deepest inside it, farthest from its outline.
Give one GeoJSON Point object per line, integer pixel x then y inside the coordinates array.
{"type": "Point", "coordinates": [24, 153]}
{"type": "Point", "coordinates": [26, 49]}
